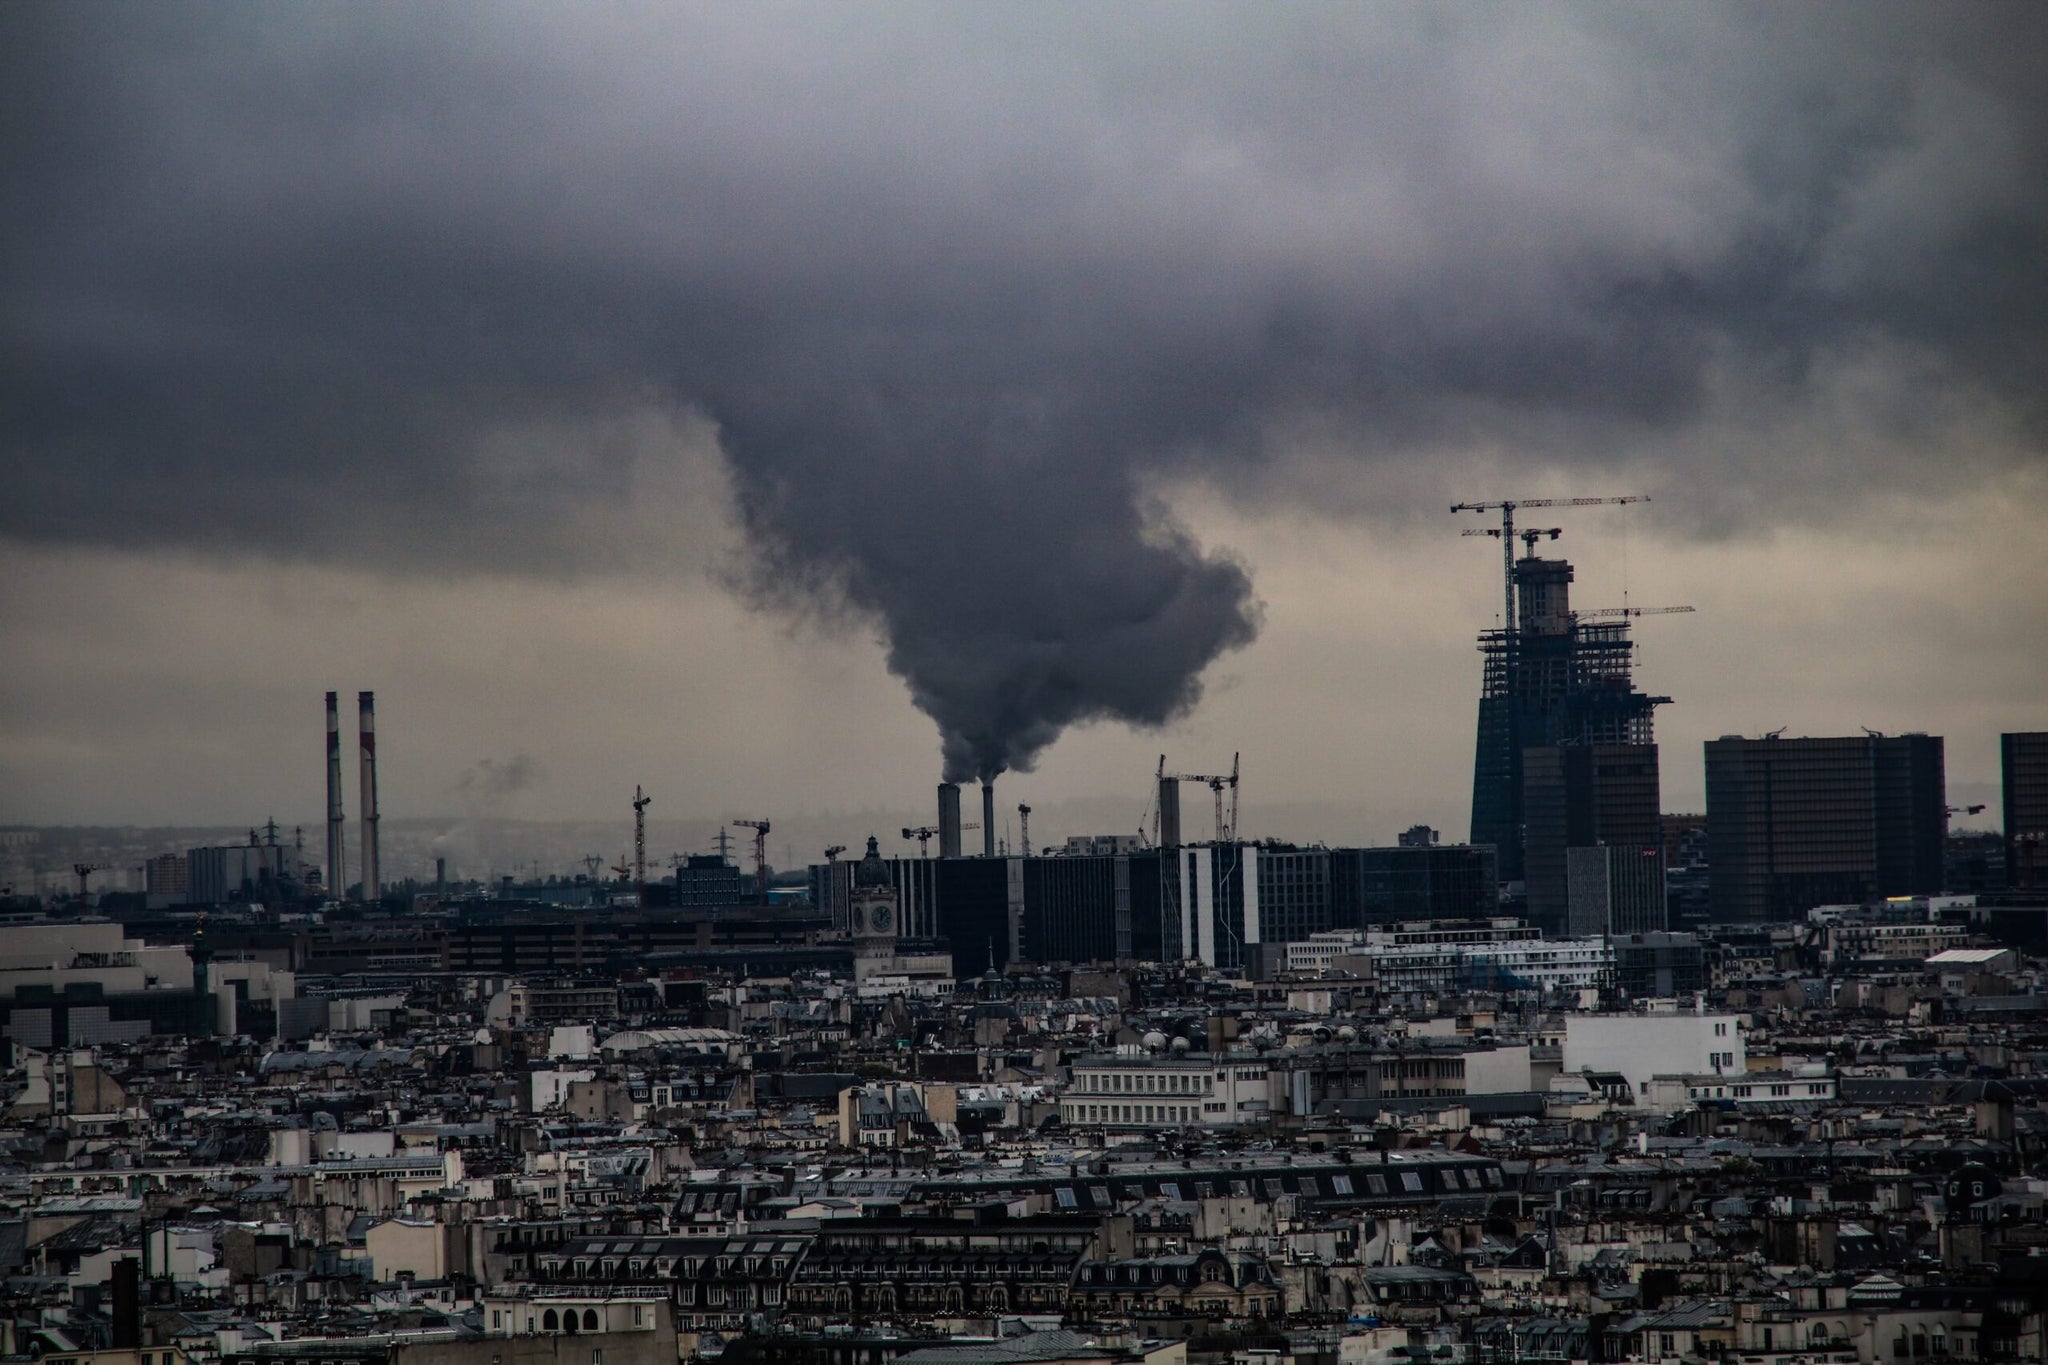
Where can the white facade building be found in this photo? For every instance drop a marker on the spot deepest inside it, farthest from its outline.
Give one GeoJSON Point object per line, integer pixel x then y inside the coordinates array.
{"type": "Point", "coordinates": [1449, 955]}
{"type": "Point", "coordinates": [1755, 1090]}
{"type": "Point", "coordinates": [1154, 1090]}
{"type": "Point", "coordinates": [1639, 1047]}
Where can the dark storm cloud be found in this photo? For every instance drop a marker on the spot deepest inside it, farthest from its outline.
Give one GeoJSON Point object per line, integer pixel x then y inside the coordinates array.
{"type": "Point", "coordinates": [956, 283]}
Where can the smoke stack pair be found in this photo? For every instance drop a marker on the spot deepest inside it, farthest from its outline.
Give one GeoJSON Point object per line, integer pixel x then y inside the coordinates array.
{"type": "Point", "coordinates": [366, 725]}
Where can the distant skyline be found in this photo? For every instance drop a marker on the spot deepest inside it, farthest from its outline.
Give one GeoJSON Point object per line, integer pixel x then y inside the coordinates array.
{"type": "Point", "coordinates": [778, 407]}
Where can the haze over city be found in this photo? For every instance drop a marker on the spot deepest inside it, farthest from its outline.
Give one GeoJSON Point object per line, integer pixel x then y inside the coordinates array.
{"type": "Point", "coordinates": [781, 407]}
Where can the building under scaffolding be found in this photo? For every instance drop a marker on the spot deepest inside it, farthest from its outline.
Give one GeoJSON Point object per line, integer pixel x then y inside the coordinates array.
{"type": "Point", "coordinates": [1552, 680]}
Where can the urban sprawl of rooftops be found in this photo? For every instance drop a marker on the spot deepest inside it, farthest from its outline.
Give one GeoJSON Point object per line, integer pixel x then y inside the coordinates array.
{"type": "Point", "coordinates": [1228, 1102]}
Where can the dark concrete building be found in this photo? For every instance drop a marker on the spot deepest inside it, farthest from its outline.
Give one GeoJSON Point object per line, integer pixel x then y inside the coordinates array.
{"type": "Point", "coordinates": [1614, 889]}
{"type": "Point", "coordinates": [1376, 886]}
{"type": "Point", "coordinates": [1660, 966]}
{"type": "Point", "coordinates": [1585, 796]}
{"type": "Point", "coordinates": [1795, 823]}
{"type": "Point", "coordinates": [1554, 679]}
{"type": "Point", "coordinates": [2023, 765]}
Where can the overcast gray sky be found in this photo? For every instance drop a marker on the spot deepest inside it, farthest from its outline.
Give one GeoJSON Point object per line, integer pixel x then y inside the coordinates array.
{"type": "Point", "coordinates": [779, 405]}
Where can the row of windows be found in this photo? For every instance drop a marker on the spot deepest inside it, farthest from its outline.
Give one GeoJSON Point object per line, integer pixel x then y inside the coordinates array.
{"type": "Point", "coordinates": [1139, 1113]}
{"type": "Point", "coordinates": [1125, 1083]}
{"type": "Point", "coordinates": [566, 1320]}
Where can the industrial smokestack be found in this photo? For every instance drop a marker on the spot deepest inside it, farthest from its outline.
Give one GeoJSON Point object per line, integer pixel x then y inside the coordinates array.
{"type": "Point", "coordinates": [949, 819]}
{"type": "Point", "coordinates": [337, 872]}
{"type": "Point", "coordinates": [988, 817]}
{"type": "Point", "coordinates": [1169, 812]}
{"type": "Point", "coordinates": [441, 875]}
{"type": "Point", "coordinates": [366, 724]}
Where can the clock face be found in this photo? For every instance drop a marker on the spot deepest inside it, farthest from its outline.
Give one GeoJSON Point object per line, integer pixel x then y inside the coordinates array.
{"type": "Point", "coordinates": [881, 917]}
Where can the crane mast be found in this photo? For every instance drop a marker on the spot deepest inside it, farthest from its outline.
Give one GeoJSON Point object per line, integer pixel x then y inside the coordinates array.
{"type": "Point", "coordinates": [1506, 532]}
{"type": "Point", "coordinates": [760, 828]}
{"type": "Point", "coordinates": [1226, 828]}
{"type": "Point", "coordinates": [640, 803]}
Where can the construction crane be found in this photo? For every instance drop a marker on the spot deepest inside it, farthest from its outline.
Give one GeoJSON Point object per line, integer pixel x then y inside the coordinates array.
{"type": "Point", "coordinates": [1507, 509]}
{"type": "Point", "coordinates": [1598, 612]}
{"type": "Point", "coordinates": [1963, 810]}
{"type": "Point", "coordinates": [832, 853]}
{"type": "Point", "coordinates": [760, 828]}
{"type": "Point", "coordinates": [1527, 537]}
{"type": "Point", "coordinates": [1024, 827]}
{"type": "Point", "coordinates": [924, 834]}
{"type": "Point", "coordinates": [640, 804]}
{"type": "Point", "coordinates": [1226, 830]}
{"type": "Point", "coordinates": [85, 871]}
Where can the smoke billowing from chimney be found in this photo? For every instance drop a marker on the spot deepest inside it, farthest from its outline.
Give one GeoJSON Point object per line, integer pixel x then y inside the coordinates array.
{"type": "Point", "coordinates": [1002, 543]}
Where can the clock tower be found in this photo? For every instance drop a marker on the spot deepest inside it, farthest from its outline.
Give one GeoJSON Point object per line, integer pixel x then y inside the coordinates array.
{"type": "Point", "coordinates": [874, 909]}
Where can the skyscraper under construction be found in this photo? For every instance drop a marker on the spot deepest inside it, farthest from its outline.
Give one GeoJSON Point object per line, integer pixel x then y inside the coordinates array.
{"type": "Point", "coordinates": [1551, 678]}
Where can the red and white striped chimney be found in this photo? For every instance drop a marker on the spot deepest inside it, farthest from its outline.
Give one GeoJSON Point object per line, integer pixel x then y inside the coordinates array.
{"type": "Point", "coordinates": [337, 873]}
{"type": "Point", "coordinates": [366, 717]}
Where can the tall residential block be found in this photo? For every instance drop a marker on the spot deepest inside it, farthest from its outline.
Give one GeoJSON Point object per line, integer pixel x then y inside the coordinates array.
{"type": "Point", "coordinates": [1795, 823]}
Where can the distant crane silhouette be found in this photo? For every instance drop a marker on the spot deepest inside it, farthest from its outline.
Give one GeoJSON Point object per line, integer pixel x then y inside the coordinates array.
{"type": "Point", "coordinates": [640, 803]}
{"type": "Point", "coordinates": [1226, 830]}
{"type": "Point", "coordinates": [760, 828]}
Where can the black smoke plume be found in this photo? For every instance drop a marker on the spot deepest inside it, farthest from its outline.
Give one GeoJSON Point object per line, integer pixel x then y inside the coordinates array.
{"type": "Point", "coordinates": [959, 285]}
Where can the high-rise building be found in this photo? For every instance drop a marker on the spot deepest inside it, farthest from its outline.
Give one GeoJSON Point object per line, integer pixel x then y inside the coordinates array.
{"type": "Point", "coordinates": [1795, 823]}
{"type": "Point", "coordinates": [2023, 765]}
{"type": "Point", "coordinates": [1583, 796]}
{"type": "Point", "coordinates": [1370, 887]}
{"type": "Point", "coordinates": [1555, 680]}
{"type": "Point", "coordinates": [1614, 889]}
